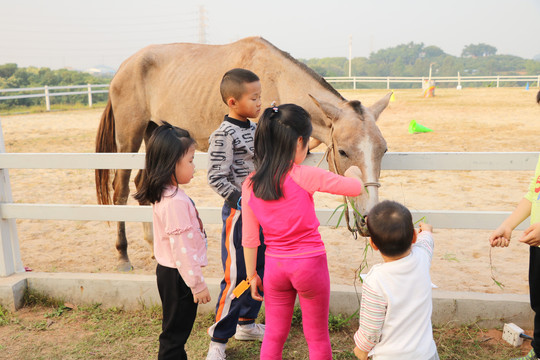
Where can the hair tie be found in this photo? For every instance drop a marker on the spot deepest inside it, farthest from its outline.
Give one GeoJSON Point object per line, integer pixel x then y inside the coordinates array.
{"type": "Point", "coordinates": [274, 107]}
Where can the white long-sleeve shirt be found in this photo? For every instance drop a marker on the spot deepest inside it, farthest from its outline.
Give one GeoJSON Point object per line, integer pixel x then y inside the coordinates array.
{"type": "Point", "coordinates": [396, 307]}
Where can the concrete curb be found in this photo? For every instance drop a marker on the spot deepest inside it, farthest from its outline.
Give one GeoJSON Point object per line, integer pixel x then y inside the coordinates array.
{"type": "Point", "coordinates": [131, 291]}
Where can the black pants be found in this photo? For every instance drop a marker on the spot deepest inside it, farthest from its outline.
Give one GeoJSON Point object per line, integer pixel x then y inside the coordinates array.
{"type": "Point", "coordinates": [534, 290]}
{"type": "Point", "coordinates": [179, 312]}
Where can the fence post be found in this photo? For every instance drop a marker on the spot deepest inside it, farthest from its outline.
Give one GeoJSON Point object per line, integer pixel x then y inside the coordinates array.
{"type": "Point", "coordinates": [10, 254]}
{"type": "Point", "coordinates": [388, 83]}
{"type": "Point", "coordinates": [498, 78]}
{"type": "Point", "coordinates": [47, 99]}
{"type": "Point", "coordinates": [538, 82]}
{"type": "Point", "coordinates": [89, 95]}
{"type": "Point", "coordinates": [354, 82]}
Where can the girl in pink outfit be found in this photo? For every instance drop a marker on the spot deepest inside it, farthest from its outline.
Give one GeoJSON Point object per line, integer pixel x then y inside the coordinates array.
{"type": "Point", "coordinates": [179, 237]}
{"type": "Point", "coordinates": [278, 196]}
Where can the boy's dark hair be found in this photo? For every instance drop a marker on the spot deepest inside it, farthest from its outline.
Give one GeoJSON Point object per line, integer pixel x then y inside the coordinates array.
{"type": "Point", "coordinates": [232, 83]}
{"type": "Point", "coordinates": [276, 137]}
{"type": "Point", "coordinates": [165, 147]}
{"type": "Point", "coordinates": [391, 227]}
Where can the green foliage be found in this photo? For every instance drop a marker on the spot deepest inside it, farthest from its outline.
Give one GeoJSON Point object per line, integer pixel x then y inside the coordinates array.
{"type": "Point", "coordinates": [478, 50]}
{"type": "Point", "coordinates": [13, 77]}
{"type": "Point", "coordinates": [32, 298]}
{"type": "Point", "coordinates": [414, 60]}
{"type": "Point", "coordinates": [4, 316]}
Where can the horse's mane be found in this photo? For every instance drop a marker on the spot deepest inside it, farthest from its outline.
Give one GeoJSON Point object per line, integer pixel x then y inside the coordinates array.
{"type": "Point", "coordinates": [538, 97]}
{"type": "Point", "coordinates": [307, 69]}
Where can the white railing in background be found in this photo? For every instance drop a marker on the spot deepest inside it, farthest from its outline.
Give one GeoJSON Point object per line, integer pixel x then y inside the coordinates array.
{"type": "Point", "coordinates": [10, 260]}
{"type": "Point", "coordinates": [49, 91]}
{"type": "Point", "coordinates": [458, 80]}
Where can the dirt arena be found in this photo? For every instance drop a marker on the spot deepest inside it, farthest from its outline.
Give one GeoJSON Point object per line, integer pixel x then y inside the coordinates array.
{"type": "Point", "coordinates": [492, 120]}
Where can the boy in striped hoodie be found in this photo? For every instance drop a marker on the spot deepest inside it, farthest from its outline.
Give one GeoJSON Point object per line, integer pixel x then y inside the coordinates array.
{"type": "Point", "coordinates": [395, 312]}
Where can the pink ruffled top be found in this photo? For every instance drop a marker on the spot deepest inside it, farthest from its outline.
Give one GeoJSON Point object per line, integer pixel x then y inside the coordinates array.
{"type": "Point", "coordinates": [179, 239]}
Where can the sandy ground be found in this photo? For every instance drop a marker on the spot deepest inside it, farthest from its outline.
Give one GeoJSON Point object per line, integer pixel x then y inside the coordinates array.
{"type": "Point", "coordinates": [468, 120]}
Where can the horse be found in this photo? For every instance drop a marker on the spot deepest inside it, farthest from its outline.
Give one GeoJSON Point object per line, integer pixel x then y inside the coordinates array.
{"type": "Point", "coordinates": [179, 83]}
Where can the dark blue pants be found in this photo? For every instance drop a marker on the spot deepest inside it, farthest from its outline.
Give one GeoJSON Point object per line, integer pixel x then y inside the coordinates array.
{"type": "Point", "coordinates": [228, 310]}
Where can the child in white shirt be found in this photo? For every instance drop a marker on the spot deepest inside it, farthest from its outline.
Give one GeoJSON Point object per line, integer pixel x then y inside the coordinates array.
{"type": "Point", "coordinates": [395, 312]}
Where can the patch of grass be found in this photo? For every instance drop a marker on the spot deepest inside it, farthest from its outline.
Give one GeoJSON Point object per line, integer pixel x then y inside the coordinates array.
{"type": "Point", "coordinates": [92, 332]}
{"type": "Point", "coordinates": [16, 110]}
{"type": "Point", "coordinates": [470, 342]}
{"type": "Point", "coordinates": [33, 299]}
{"type": "Point", "coordinates": [4, 316]}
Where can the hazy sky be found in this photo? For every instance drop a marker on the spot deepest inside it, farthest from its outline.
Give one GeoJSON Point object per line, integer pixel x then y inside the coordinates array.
{"type": "Point", "coordinates": [82, 34]}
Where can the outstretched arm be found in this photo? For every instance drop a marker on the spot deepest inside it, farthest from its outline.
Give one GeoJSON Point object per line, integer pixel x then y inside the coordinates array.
{"type": "Point", "coordinates": [501, 235]}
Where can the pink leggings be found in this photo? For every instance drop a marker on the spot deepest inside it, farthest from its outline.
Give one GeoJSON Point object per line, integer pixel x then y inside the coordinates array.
{"type": "Point", "coordinates": [283, 279]}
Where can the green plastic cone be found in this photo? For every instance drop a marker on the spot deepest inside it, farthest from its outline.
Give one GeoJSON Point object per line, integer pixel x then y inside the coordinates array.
{"type": "Point", "coordinates": [414, 128]}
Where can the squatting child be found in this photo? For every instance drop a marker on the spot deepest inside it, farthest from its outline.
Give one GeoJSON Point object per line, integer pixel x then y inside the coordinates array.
{"type": "Point", "coordinates": [395, 312]}
{"type": "Point", "coordinates": [230, 162]}
{"type": "Point", "coordinates": [179, 237]}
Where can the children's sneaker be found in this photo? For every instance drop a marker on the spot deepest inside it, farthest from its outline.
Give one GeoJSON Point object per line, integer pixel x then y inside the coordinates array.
{"type": "Point", "coordinates": [249, 332]}
{"type": "Point", "coordinates": [216, 351]}
{"type": "Point", "coordinates": [530, 356]}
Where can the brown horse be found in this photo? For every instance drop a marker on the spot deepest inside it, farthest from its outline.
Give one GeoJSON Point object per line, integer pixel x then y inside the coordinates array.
{"type": "Point", "coordinates": [179, 83]}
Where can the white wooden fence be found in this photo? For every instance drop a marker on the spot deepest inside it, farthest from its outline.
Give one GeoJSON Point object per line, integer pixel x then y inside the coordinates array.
{"type": "Point", "coordinates": [10, 260]}
{"type": "Point", "coordinates": [49, 91]}
{"type": "Point", "coordinates": [458, 80]}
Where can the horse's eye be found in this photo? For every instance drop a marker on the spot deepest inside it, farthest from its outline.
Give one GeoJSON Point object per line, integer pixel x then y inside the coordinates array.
{"type": "Point", "coordinates": [342, 153]}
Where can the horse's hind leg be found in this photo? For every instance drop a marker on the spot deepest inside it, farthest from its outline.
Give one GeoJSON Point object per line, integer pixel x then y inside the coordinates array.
{"type": "Point", "coordinates": [128, 140]}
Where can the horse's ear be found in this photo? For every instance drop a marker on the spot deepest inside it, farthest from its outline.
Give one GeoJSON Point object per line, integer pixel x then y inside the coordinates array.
{"type": "Point", "coordinates": [332, 113]}
{"type": "Point", "coordinates": [380, 105]}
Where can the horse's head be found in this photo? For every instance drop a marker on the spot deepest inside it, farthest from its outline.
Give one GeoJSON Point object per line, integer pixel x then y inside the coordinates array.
{"type": "Point", "coordinates": [355, 139]}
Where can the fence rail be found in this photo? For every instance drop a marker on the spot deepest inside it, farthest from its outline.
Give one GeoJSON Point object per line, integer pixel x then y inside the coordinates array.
{"type": "Point", "coordinates": [458, 80]}
{"type": "Point", "coordinates": [49, 91]}
{"type": "Point", "coordinates": [10, 261]}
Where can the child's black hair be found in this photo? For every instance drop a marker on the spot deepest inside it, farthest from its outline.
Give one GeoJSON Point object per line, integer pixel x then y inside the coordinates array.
{"type": "Point", "coordinates": [165, 147]}
{"type": "Point", "coordinates": [391, 227]}
{"type": "Point", "coordinates": [232, 83]}
{"type": "Point", "coordinates": [276, 137]}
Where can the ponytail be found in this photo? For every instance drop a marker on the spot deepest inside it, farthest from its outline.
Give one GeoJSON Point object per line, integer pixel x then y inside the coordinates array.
{"type": "Point", "coordinates": [276, 137]}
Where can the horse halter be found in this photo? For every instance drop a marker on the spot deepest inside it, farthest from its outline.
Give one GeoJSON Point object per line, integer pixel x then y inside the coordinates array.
{"type": "Point", "coordinates": [331, 150]}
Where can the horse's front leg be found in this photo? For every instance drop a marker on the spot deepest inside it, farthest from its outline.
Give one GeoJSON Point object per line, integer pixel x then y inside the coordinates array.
{"type": "Point", "coordinates": [148, 231]}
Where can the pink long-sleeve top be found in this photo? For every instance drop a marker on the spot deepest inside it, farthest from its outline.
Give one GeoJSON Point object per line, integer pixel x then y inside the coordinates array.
{"type": "Point", "coordinates": [290, 226]}
{"type": "Point", "coordinates": [179, 239]}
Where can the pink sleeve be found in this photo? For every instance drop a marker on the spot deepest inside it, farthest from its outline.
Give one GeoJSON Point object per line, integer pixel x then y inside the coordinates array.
{"type": "Point", "coordinates": [250, 224]}
{"type": "Point", "coordinates": [181, 236]}
{"type": "Point", "coordinates": [314, 179]}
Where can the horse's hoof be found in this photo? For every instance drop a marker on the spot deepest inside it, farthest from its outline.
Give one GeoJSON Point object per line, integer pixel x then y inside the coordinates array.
{"type": "Point", "coordinates": [125, 267]}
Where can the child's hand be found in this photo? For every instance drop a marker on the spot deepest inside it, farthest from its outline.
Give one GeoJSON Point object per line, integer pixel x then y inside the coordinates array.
{"type": "Point", "coordinates": [425, 227]}
{"type": "Point", "coordinates": [353, 172]}
{"type": "Point", "coordinates": [531, 236]}
{"type": "Point", "coordinates": [362, 355]}
{"type": "Point", "coordinates": [256, 285]}
{"type": "Point", "coordinates": [501, 236]}
{"type": "Point", "coordinates": [202, 297]}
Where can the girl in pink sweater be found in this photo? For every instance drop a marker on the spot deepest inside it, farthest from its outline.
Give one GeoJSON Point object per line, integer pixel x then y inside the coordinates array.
{"type": "Point", "coordinates": [278, 196]}
{"type": "Point", "coordinates": [179, 237]}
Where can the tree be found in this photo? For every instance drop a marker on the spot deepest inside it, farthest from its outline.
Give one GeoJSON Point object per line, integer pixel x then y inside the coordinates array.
{"type": "Point", "coordinates": [478, 50]}
{"type": "Point", "coordinates": [7, 70]}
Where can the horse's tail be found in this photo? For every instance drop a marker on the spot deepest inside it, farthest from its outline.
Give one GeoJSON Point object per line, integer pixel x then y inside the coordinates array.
{"type": "Point", "coordinates": [105, 142]}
